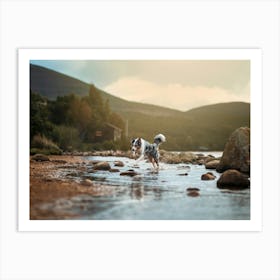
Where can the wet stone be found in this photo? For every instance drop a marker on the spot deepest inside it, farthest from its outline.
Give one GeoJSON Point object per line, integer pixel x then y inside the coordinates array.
{"type": "Point", "coordinates": [40, 157]}
{"type": "Point", "coordinates": [212, 164]}
{"type": "Point", "coordinates": [208, 176]}
{"type": "Point", "coordinates": [119, 163]}
{"type": "Point", "coordinates": [103, 165]}
{"type": "Point", "coordinates": [233, 179]}
{"type": "Point", "coordinates": [91, 170]}
{"type": "Point", "coordinates": [94, 161]}
{"type": "Point", "coordinates": [193, 193]}
{"type": "Point", "coordinates": [114, 170]}
{"type": "Point", "coordinates": [129, 173]}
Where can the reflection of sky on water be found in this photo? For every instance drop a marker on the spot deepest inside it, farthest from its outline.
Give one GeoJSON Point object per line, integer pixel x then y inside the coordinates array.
{"type": "Point", "coordinates": [163, 195]}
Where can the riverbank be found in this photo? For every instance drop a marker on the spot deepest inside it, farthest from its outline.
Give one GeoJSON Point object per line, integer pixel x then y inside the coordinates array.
{"type": "Point", "coordinates": [49, 183]}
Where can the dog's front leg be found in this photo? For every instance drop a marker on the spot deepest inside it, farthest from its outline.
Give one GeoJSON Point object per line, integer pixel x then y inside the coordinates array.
{"type": "Point", "coordinates": [140, 158]}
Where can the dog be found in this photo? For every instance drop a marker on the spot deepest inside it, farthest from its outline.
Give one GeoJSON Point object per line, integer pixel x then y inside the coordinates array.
{"type": "Point", "coordinates": [145, 148]}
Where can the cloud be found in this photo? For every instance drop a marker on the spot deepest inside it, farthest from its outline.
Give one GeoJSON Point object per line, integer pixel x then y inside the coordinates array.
{"type": "Point", "coordinates": [174, 95]}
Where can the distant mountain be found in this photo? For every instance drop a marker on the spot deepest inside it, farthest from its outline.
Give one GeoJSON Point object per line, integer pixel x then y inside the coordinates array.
{"type": "Point", "coordinates": [51, 84]}
{"type": "Point", "coordinates": [225, 114]}
{"type": "Point", "coordinates": [206, 127]}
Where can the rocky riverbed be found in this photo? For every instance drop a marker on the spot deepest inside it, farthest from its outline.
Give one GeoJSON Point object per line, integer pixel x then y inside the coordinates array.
{"type": "Point", "coordinates": [111, 186]}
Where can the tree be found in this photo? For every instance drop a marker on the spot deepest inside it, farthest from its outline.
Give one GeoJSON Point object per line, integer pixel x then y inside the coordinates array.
{"type": "Point", "coordinates": [81, 115]}
{"type": "Point", "coordinates": [117, 120]}
{"type": "Point", "coordinates": [60, 110]}
{"type": "Point", "coordinates": [95, 101]}
{"type": "Point", "coordinates": [107, 110]}
{"type": "Point", "coordinates": [39, 116]}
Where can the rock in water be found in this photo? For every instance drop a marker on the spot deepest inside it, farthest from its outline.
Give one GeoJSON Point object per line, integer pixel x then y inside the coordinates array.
{"type": "Point", "coordinates": [183, 174]}
{"type": "Point", "coordinates": [103, 165]}
{"type": "Point", "coordinates": [193, 193]}
{"type": "Point", "coordinates": [209, 158]}
{"type": "Point", "coordinates": [119, 163]}
{"type": "Point", "coordinates": [94, 161]}
{"type": "Point", "coordinates": [130, 172]}
{"type": "Point", "coordinates": [114, 170]}
{"type": "Point", "coordinates": [208, 176]}
{"type": "Point", "coordinates": [233, 179]}
{"type": "Point", "coordinates": [236, 154]}
{"type": "Point", "coordinates": [213, 164]}
{"type": "Point", "coordinates": [40, 157]}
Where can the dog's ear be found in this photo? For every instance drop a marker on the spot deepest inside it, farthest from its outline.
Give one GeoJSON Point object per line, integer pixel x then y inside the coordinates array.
{"type": "Point", "coordinates": [133, 141]}
{"type": "Point", "coordinates": [138, 142]}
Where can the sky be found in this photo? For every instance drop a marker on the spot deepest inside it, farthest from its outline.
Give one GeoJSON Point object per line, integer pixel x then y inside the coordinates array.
{"type": "Point", "coordinates": [181, 84]}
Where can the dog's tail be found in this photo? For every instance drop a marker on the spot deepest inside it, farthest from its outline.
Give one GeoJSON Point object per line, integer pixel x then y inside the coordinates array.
{"type": "Point", "coordinates": [160, 138]}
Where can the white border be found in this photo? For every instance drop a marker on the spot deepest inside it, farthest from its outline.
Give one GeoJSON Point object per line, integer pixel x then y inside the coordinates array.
{"type": "Point", "coordinates": [24, 57]}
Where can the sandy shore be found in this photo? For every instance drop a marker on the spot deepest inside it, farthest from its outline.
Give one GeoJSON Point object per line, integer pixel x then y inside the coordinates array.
{"type": "Point", "coordinates": [48, 184]}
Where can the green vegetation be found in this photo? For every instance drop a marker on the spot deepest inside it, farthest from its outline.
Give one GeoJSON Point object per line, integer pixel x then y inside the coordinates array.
{"type": "Point", "coordinates": [71, 123]}
{"type": "Point", "coordinates": [72, 120]}
{"type": "Point", "coordinates": [42, 145]}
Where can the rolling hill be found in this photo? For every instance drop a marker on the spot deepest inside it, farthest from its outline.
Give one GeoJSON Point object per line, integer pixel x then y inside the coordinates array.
{"type": "Point", "coordinates": [206, 127]}
{"type": "Point", "coordinates": [51, 84]}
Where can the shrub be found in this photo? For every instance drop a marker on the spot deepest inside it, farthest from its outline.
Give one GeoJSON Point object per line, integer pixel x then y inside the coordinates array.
{"type": "Point", "coordinates": [67, 137]}
{"type": "Point", "coordinates": [43, 145]}
{"type": "Point", "coordinates": [34, 151]}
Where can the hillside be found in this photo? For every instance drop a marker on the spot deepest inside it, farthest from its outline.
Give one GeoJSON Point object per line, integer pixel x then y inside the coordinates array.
{"type": "Point", "coordinates": [206, 127]}
{"type": "Point", "coordinates": [51, 84]}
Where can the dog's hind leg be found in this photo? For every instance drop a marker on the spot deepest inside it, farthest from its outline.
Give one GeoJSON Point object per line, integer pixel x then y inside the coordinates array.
{"type": "Point", "coordinates": [151, 159]}
{"type": "Point", "coordinates": [157, 163]}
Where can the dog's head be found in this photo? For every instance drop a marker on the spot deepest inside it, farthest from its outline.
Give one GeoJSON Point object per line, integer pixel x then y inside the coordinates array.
{"type": "Point", "coordinates": [135, 146]}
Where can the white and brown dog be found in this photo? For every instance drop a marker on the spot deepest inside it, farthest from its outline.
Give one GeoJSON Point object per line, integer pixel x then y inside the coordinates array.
{"type": "Point", "coordinates": [144, 148]}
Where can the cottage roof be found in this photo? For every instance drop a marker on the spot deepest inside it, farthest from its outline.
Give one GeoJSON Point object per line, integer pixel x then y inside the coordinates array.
{"type": "Point", "coordinates": [113, 126]}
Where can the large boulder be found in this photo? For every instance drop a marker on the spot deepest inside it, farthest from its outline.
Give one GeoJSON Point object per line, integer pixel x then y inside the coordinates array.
{"type": "Point", "coordinates": [236, 154]}
{"type": "Point", "coordinates": [233, 179]}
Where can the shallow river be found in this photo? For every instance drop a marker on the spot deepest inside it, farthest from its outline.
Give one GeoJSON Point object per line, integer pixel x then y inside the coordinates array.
{"type": "Point", "coordinates": [162, 195]}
